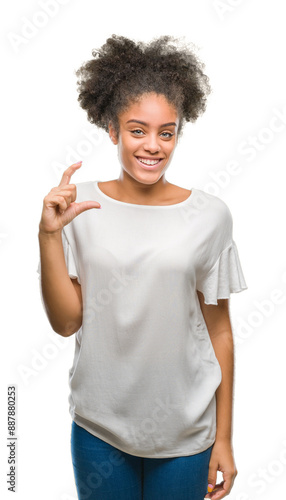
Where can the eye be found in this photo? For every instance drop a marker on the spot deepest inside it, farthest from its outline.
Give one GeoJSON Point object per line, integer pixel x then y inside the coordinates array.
{"type": "Point", "coordinates": [169, 135]}
{"type": "Point", "coordinates": [136, 130]}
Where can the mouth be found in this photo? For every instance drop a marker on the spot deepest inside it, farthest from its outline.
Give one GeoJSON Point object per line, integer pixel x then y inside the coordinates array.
{"type": "Point", "coordinates": [148, 163]}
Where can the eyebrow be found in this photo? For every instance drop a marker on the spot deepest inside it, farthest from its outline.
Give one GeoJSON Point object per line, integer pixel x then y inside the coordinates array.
{"type": "Point", "coordinates": [144, 123]}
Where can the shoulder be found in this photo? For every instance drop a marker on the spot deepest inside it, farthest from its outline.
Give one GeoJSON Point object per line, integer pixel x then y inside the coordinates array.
{"type": "Point", "coordinates": [214, 207]}
{"type": "Point", "coordinates": [215, 220]}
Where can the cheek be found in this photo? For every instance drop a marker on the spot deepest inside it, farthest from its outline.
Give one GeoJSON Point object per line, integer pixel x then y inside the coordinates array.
{"type": "Point", "coordinates": [128, 145]}
{"type": "Point", "coordinates": [170, 147]}
{"type": "Point", "coordinates": [125, 152]}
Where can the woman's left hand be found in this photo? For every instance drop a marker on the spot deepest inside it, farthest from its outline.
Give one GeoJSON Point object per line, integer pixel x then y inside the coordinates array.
{"type": "Point", "coordinates": [221, 460]}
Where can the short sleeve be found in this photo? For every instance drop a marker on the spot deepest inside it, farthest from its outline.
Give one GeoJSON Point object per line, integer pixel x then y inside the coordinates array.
{"type": "Point", "coordinates": [69, 258]}
{"type": "Point", "coordinates": [225, 277]}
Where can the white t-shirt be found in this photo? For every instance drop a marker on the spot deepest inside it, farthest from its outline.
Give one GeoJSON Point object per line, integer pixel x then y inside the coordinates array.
{"type": "Point", "coordinates": [145, 373]}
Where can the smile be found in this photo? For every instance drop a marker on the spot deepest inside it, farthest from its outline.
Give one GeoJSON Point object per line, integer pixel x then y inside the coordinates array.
{"type": "Point", "coordinates": [149, 163]}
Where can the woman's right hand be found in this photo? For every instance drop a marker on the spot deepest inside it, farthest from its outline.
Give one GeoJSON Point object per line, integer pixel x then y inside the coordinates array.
{"type": "Point", "coordinates": [59, 207]}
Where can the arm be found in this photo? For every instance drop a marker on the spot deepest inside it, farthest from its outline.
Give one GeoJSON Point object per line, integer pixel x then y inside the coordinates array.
{"type": "Point", "coordinates": [219, 327]}
{"type": "Point", "coordinates": [61, 295]}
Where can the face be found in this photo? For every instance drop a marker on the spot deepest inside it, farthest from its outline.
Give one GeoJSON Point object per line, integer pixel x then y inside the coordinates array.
{"type": "Point", "coordinates": [147, 138]}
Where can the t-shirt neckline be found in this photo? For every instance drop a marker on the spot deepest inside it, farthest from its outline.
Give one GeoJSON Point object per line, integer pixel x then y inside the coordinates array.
{"type": "Point", "coordinates": [174, 205]}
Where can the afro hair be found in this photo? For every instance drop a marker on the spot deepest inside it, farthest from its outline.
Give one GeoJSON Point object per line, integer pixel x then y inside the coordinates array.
{"type": "Point", "coordinates": [122, 70]}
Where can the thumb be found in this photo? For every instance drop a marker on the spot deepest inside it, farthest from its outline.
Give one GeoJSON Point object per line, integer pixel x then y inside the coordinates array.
{"type": "Point", "coordinates": [85, 205]}
{"type": "Point", "coordinates": [211, 479]}
{"type": "Point", "coordinates": [76, 209]}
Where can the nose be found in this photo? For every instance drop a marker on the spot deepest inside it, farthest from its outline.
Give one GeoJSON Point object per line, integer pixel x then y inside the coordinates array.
{"type": "Point", "coordinates": [151, 144]}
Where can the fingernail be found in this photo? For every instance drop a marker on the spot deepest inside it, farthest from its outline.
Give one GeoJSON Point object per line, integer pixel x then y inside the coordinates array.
{"type": "Point", "coordinates": [210, 488]}
{"type": "Point", "coordinates": [78, 162]}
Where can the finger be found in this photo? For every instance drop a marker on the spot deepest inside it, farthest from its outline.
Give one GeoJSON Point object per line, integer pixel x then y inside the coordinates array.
{"type": "Point", "coordinates": [73, 193]}
{"type": "Point", "coordinates": [85, 205]}
{"type": "Point", "coordinates": [223, 489]}
{"type": "Point", "coordinates": [69, 172]}
{"type": "Point", "coordinates": [62, 204]}
{"type": "Point", "coordinates": [219, 491]}
{"type": "Point", "coordinates": [66, 190]}
{"type": "Point", "coordinates": [212, 495]}
{"type": "Point", "coordinates": [54, 199]}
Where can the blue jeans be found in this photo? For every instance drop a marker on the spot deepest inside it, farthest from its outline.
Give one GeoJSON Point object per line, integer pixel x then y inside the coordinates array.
{"type": "Point", "coordinates": [102, 472]}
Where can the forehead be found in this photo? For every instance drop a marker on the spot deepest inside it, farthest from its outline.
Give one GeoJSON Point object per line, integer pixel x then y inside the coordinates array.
{"type": "Point", "coordinates": [150, 108]}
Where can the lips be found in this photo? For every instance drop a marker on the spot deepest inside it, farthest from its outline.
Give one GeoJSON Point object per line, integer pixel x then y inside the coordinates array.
{"type": "Point", "coordinates": [150, 165]}
{"type": "Point", "coordinates": [148, 159]}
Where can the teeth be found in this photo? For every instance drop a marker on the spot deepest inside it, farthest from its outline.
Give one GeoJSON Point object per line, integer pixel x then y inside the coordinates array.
{"type": "Point", "coordinates": [149, 162]}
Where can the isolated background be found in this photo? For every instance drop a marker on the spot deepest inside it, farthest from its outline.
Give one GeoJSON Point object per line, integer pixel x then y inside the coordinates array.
{"type": "Point", "coordinates": [44, 130]}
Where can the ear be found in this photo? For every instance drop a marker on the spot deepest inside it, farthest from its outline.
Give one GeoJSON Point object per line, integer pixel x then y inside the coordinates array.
{"type": "Point", "coordinates": [112, 133]}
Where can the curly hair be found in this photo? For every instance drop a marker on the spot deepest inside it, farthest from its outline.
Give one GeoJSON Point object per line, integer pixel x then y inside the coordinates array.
{"type": "Point", "coordinates": [123, 70]}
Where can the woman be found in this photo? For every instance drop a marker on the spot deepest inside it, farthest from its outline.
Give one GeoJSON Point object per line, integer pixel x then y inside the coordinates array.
{"type": "Point", "coordinates": [144, 284]}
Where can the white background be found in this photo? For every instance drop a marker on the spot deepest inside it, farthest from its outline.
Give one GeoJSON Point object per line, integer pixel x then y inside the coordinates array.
{"type": "Point", "coordinates": [243, 46]}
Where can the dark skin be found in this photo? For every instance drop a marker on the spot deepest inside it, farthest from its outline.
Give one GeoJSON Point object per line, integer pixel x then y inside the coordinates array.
{"type": "Point", "coordinates": [219, 327]}
{"type": "Point", "coordinates": [148, 130]}
{"type": "Point", "coordinates": [151, 139]}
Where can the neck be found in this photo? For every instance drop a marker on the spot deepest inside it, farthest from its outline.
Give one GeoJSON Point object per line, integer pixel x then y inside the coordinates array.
{"type": "Point", "coordinates": [132, 190]}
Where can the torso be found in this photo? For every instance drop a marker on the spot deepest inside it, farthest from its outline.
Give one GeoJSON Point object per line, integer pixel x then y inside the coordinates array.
{"type": "Point", "coordinates": [175, 194]}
